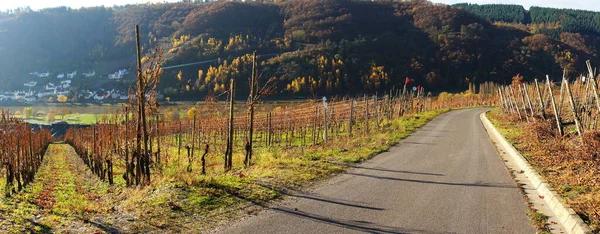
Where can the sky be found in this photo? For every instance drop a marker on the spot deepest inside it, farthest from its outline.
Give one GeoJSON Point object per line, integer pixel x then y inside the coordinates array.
{"type": "Point", "coordinates": [76, 4]}
{"type": "Point", "coordinates": [593, 5]}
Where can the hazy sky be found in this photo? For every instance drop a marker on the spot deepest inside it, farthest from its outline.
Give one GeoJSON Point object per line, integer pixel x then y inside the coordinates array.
{"type": "Point", "coordinates": [592, 5]}
{"type": "Point", "coordinates": [39, 4]}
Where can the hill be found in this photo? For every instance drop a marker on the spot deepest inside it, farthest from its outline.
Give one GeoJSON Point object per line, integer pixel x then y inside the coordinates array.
{"type": "Point", "coordinates": [312, 48]}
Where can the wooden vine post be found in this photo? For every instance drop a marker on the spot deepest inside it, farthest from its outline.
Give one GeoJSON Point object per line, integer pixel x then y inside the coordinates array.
{"type": "Point", "coordinates": [251, 102]}
{"type": "Point", "coordinates": [229, 150]}
{"type": "Point", "coordinates": [325, 119]}
{"type": "Point", "coordinates": [523, 102]}
{"type": "Point", "coordinates": [350, 121]}
{"type": "Point", "coordinates": [574, 110]}
{"type": "Point", "coordinates": [594, 86]}
{"type": "Point", "coordinates": [539, 95]}
{"type": "Point", "coordinates": [556, 113]}
{"type": "Point", "coordinates": [366, 115]}
{"type": "Point", "coordinates": [514, 101]}
{"type": "Point", "coordinates": [525, 89]}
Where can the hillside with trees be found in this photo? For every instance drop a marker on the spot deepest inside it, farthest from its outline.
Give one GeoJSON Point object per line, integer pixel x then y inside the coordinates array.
{"type": "Point", "coordinates": [311, 48]}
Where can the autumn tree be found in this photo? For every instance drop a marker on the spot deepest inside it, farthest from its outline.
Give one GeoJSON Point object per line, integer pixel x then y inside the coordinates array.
{"type": "Point", "coordinates": [27, 112]}
{"type": "Point", "coordinates": [62, 98]}
{"type": "Point", "coordinates": [50, 117]}
{"type": "Point", "coordinates": [190, 113]}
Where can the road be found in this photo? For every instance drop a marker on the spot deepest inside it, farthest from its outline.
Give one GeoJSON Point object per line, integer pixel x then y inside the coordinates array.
{"type": "Point", "coordinates": [212, 61]}
{"type": "Point", "coordinates": [444, 178]}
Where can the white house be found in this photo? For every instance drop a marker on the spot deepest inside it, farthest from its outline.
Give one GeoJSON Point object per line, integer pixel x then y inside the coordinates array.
{"type": "Point", "coordinates": [98, 97]}
{"type": "Point", "coordinates": [72, 75]}
{"type": "Point", "coordinates": [115, 76]}
{"type": "Point", "coordinates": [60, 76]}
{"type": "Point", "coordinates": [19, 96]}
{"type": "Point", "coordinates": [65, 84]}
{"type": "Point", "coordinates": [89, 74]}
{"type": "Point", "coordinates": [50, 86]}
{"type": "Point", "coordinates": [42, 75]}
{"type": "Point", "coordinates": [30, 84]}
{"type": "Point", "coordinates": [118, 75]}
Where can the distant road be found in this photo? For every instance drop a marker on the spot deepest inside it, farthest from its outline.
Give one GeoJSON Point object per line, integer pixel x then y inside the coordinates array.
{"type": "Point", "coordinates": [445, 178]}
{"type": "Point", "coordinates": [211, 61]}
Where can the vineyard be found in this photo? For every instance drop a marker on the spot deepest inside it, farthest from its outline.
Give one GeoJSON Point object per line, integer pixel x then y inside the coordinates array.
{"type": "Point", "coordinates": [21, 152]}
{"type": "Point", "coordinates": [204, 161]}
{"type": "Point", "coordinates": [214, 136]}
{"type": "Point", "coordinates": [563, 135]}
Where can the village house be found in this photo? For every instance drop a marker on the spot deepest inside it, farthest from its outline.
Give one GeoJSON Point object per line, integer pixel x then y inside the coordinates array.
{"type": "Point", "coordinates": [30, 84]}
{"type": "Point", "coordinates": [65, 84]}
{"type": "Point", "coordinates": [72, 75]}
{"type": "Point", "coordinates": [43, 75]}
{"type": "Point", "coordinates": [40, 75]}
{"type": "Point", "coordinates": [50, 86]}
{"type": "Point", "coordinates": [89, 74]}
{"type": "Point", "coordinates": [118, 75]}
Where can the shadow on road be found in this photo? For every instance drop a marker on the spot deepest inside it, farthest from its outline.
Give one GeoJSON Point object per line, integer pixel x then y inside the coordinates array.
{"type": "Point", "coordinates": [349, 224]}
{"type": "Point", "coordinates": [415, 143]}
{"type": "Point", "coordinates": [300, 194]}
{"type": "Point", "coordinates": [388, 170]}
{"type": "Point", "coordinates": [436, 182]}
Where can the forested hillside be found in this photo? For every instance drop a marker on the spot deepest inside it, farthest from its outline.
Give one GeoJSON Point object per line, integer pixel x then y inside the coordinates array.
{"type": "Point", "coordinates": [556, 20]}
{"type": "Point", "coordinates": [311, 47]}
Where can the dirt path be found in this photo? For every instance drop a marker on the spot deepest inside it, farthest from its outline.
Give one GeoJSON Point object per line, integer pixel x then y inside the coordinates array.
{"type": "Point", "coordinates": [64, 197]}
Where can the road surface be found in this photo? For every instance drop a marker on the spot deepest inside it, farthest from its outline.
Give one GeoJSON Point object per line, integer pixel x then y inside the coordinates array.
{"type": "Point", "coordinates": [444, 178]}
{"type": "Point", "coordinates": [212, 61]}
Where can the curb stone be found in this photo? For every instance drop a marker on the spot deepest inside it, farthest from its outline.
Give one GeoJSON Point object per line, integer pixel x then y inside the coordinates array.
{"type": "Point", "coordinates": [571, 222]}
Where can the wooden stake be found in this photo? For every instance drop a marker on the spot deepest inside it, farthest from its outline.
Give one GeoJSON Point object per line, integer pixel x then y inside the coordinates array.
{"type": "Point", "coordinates": [514, 101]}
{"type": "Point", "coordinates": [528, 100]}
{"type": "Point", "coordinates": [573, 109]}
{"type": "Point", "coordinates": [556, 113]}
{"type": "Point", "coordinates": [539, 94]}
{"type": "Point", "coordinates": [350, 122]}
{"type": "Point", "coordinates": [594, 87]}
{"type": "Point", "coordinates": [229, 150]}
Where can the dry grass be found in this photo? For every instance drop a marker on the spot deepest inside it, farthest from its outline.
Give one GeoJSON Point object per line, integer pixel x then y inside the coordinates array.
{"type": "Point", "coordinates": [572, 168]}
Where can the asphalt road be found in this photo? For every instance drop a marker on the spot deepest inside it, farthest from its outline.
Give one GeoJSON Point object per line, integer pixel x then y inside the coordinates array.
{"type": "Point", "coordinates": [444, 178]}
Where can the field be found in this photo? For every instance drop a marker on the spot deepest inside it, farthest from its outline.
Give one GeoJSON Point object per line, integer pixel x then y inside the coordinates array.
{"type": "Point", "coordinates": [86, 114]}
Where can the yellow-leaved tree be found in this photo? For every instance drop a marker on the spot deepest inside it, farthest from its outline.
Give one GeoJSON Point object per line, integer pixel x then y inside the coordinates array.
{"type": "Point", "coordinates": [191, 112]}
{"type": "Point", "coordinates": [27, 112]}
{"type": "Point", "coordinates": [62, 98]}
